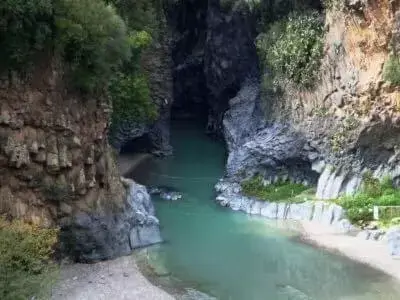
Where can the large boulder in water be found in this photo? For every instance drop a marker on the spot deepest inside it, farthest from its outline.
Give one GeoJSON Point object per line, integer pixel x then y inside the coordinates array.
{"type": "Point", "coordinates": [93, 237]}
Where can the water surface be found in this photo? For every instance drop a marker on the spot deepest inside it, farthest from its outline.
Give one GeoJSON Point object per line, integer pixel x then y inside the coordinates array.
{"type": "Point", "coordinates": [233, 256]}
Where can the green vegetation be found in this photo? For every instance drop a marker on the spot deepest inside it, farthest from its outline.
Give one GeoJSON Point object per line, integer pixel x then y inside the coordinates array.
{"type": "Point", "coordinates": [100, 44]}
{"type": "Point", "coordinates": [26, 270]}
{"type": "Point", "coordinates": [359, 208]}
{"type": "Point", "coordinates": [280, 191]}
{"type": "Point", "coordinates": [25, 29]}
{"type": "Point", "coordinates": [292, 48]}
{"type": "Point", "coordinates": [391, 72]}
{"type": "Point", "coordinates": [129, 87]}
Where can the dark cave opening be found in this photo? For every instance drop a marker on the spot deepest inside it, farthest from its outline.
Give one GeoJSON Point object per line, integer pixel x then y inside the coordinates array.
{"type": "Point", "coordinates": [142, 144]}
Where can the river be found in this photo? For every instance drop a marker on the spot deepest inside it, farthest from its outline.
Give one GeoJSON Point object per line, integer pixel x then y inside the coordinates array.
{"type": "Point", "coordinates": [233, 256]}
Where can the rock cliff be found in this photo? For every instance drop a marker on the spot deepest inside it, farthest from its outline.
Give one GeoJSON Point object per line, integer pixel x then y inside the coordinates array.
{"type": "Point", "coordinates": [57, 169]}
{"type": "Point", "coordinates": [345, 126]}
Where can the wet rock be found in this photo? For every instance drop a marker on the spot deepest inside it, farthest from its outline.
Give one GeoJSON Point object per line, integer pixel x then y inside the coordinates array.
{"type": "Point", "coordinates": [170, 196]}
{"type": "Point", "coordinates": [166, 193]}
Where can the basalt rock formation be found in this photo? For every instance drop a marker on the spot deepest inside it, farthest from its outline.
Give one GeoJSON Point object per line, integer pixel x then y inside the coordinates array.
{"type": "Point", "coordinates": [334, 133]}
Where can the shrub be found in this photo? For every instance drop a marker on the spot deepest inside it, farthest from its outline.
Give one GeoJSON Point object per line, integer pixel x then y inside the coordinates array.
{"type": "Point", "coordinates": [292, 48]}
{"type": "Point", "coordinates": [25, 28]}
{"type": "Point", "coordinates": [93, 39]}
{"type": "Point", "coordinates": [280, 191]}
{"type": "Point", "coordinates": [391, 72]}
{"type": "Point", "coordinates": [359, 208]}
{"type": "Point", "coordinates": [26, 270]}
{"type": "Point", "coordinates": [131, 99]}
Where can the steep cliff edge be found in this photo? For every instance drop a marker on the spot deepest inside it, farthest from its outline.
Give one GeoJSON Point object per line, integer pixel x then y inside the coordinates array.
{"type": "Point", "coordinates": [57, 169]}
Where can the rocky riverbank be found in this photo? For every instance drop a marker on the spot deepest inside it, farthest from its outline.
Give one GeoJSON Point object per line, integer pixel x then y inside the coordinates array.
{"type": "Point", "coordinates": [114, 279]}
{"type": "Point", "coordinates": [324, 224]}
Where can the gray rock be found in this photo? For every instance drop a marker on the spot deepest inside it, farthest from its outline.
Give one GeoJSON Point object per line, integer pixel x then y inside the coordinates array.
{"type": "Point", "coordinates": [269, 210]}
{"type": "Point", "coordinates": [343, 226]}
{"type": "Point", "coordinates": [256, 208]}
{"type": "Point", "coordinates": [376, 234]}
{"type": "Point", "coordinates": [393, 238]}
{"type": "Point", "coordinates": [282, 211]}
{"type": "Point", "coordinates": [300, 211]}
{"type": "Point", "coordinates": [149, 235]}
{"type": "Point", "coordinates": [171, 196]}
{"type": "Point", "coordinates": [318, 211]}
{"type": "Point", "coordinates": [94, 237]}
{"type": "Point", "coordinates": [365, 235]}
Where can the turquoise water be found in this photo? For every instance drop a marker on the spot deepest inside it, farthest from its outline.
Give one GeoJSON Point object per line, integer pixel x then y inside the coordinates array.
{"type": "Point", "coordinates": [231, 255]}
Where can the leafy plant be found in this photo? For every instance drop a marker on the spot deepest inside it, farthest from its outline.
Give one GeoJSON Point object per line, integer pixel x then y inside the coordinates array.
{"type": "Point", "coordinates": [280, 191]}
{"type": "Point", "coordinates": [391, 72]}
{"type": "Point", "coordinates": [26, 268]}
{"type": "Point", "coordinates": [292, 48]}
{"type": "Point", "coordinates": [359, 208]}
{"type": "Point", "coordinates": [25, 29]}
{"type": "Point", "coordinates": [131, 99]}
{"type": "Point", "coordinates": [93, 39]}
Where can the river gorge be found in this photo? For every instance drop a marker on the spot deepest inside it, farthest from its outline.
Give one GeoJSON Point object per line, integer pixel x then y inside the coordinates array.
{"type": "Point", "coordinates": [230, 255]}
{"type": "Point", "coordinates": [225, 149]}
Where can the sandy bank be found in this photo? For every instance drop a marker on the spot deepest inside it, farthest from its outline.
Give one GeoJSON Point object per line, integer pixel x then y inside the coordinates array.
{"type": "Point", "coordinates": [372, 253]}
{"type": "Point", "coordinates": [118, 279]}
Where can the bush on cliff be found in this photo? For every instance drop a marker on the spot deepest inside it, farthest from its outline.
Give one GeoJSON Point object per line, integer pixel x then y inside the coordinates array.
{"type": "Point", "coordinates": [292, 48]}
{"type": "Point", "coordinates": [26, 268]}
{"type": "Point", "coordinates": [88, 34]}
{"type": "Point", "coordinates": [391, 72]}
{"type": "Point", "coordinates": [93, 40]}
{"type": "Point", "coordinates": [25, 29]}
{"type": "Point", "coordinates": [129, 88]}
{"type": "Point", "coordinates": [96, 44]}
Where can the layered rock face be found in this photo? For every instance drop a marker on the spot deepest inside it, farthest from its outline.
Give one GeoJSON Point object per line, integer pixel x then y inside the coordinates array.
{"type": "Point", "coordinates": [347, 125]}
{"type": "Point", "coordinates": [57, 169]}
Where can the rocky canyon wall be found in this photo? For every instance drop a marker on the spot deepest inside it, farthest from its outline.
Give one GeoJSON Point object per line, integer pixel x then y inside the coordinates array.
{"type": "Point", "coordinates": [57, 168]}
{"type": "Point", "coordinates": [344, 127]}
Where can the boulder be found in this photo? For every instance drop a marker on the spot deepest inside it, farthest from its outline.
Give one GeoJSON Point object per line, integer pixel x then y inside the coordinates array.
{"type": "Point", "coordinates": [393, 238]}
{"type": "Point", "coordinates": [88, 237]}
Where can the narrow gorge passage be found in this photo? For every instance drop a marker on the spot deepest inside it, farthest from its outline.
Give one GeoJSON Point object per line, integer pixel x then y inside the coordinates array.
{"type": "Point", "coordinates": [232, 255]}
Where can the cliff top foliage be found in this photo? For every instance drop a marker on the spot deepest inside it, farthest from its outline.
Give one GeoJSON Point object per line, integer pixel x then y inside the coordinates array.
{"type": "Point", "coordinates": [292, 47]}
{"type": "Point", "coordinates": [26, 270]}
{"type": "Point", "coordinates": [96, 40]}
